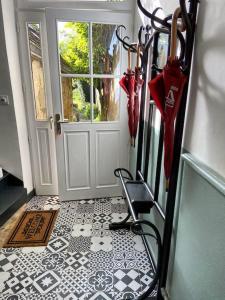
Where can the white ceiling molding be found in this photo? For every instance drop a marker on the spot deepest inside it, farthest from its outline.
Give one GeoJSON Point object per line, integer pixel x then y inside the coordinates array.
{"type": "Point", "coordinates": [126, 5]}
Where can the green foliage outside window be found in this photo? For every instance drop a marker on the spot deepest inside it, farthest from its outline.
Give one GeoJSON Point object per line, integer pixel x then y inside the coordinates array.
{"type": "Point", "coordinates": [74, 52]}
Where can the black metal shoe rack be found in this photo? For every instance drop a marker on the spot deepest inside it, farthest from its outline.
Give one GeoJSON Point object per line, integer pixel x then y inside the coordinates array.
{"type": "Point", "coordinates": [138, 193]}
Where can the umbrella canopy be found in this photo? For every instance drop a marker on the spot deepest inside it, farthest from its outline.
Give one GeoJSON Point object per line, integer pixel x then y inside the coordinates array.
{"type": "Point", "coordinates": [166, 90]}
{"type": "Point", "coordinates": [131, 83]}
{"type": "Point", "coordinates": [174, 81]}
{"type": "Point", "coordinates": [156, 87]}
{"type": "Point", "coordinates": [127, 83]}
{"type": "Point", "coordinates": [138, 85]}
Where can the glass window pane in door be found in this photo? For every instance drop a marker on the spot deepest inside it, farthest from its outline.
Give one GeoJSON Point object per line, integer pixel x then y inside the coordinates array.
{"type": "Point", "coordinates": [106, 94]}
{"type": "Point", "coordinates": [106, 49]}
{"type": "Point", "coordinates": [76, 99]}
{"type": "Point", "coordinates": [73, 43]}
{"type": "Point", "coordinates": [37, 71]}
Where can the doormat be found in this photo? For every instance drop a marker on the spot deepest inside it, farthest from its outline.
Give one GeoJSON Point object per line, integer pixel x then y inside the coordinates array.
{"type": "Point", "coordinates": [33, 229]}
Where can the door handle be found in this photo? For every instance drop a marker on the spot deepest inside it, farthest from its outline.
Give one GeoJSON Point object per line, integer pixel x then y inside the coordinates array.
{"type": "Point", "coordinates": [51, 121]}
{"type": "Point", "coordinates": [58, 123]}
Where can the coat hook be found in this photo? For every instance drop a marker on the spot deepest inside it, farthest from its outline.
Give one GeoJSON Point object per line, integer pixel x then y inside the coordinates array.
{"type": "Point", "coordinates": [125, 44]}
{"type": "Point", "coordinates": [152, 16]}
{"type": "Point", "coordinates": [167, 31]}
{"type": "Point", "coordinates": [185, 16]}
{"type": "Point", "coordinates": [160, 29]}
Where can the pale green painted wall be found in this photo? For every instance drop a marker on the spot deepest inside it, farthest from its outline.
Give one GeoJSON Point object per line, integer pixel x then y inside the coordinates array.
{"type": "Point", "coordinates": [197, 251]}
{"type": "Point", "coordinates": [199, 266]}
{"type": "Point", "coordinates": [197, 263]}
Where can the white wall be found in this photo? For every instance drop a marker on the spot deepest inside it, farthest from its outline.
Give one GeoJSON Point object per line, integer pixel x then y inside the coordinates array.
{"type": "Point", "coordinates": [204, 134]}
{"type": "Point", "coordinates": [17, 92]}
{"type": "Point", "coordinates": [9, 143]}
{"type": "Point", "coordinates": [76, 4]}
{"type": "Point", "coordinates": [205, 123]}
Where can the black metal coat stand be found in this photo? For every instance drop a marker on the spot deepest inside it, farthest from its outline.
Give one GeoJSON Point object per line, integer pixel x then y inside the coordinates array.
{"type": "Point", "coordinates": [144, 68]}
{"type": "Point", "coordinates": [171, 198]}
{"type": "Point", "coordinates": [186, 57]}
{"type": "Point", "coordinates": [138, 193]}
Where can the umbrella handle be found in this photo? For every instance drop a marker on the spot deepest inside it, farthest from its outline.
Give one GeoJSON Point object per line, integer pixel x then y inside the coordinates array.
{"type": "Point", "coordinates": [173, 40]}
{"type": "Point", "coordinates": [129, 59]}
{"type": "Point", "coordinates": [138, 55]}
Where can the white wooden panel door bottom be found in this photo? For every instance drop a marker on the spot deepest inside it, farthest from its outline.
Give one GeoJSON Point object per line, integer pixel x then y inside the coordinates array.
{"type": "Point", "coordinates": [77, 159]}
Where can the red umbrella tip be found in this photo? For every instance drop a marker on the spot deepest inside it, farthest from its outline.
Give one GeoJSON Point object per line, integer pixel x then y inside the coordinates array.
{"type": "Point", "coordinates": [167, 185]}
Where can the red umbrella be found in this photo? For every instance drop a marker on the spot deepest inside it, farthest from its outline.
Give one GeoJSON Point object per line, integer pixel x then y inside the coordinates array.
{"type": "Point", "coordinates": [127, 82]}
{"type": "Point", "coordinates": [166, 90]}
{"type": "Point", "coordinates": [138, 84]}
{"type": "Point", "coordinates": [156, 87]}
{"type": "Point", "coordinates": [174, 81]}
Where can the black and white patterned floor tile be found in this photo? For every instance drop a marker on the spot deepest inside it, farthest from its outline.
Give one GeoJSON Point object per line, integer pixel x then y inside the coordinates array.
{"type": "Point", "coordinates": [79, 244]}
{"type": "Point", "coordinates": [58, 244]}
{"type": "Point", "coordinates": [77, 260]}
{"type": "Point", "coordinates": [84, 260]}
{"type": "Point", "coordinates": [7, 261]}
{"type": "Point", "coordinates": [101, 260]}
{"type": "Point", "coordinates": [83, 218]}
{"type": "Point", "coordinates": [101, 281]}
{"type": "Point", "coordinates": [44, 202]}
{"type": "Point", "coordinates": [46, 282]}
{"type": "Point", "coordinates": [48, 296]}
{"type": "Point", "coordinates": [29, 263]}
{"type": "Point", "coordinates": [99, 296]}
{"type": "Point", "coordinates": [127, 281]}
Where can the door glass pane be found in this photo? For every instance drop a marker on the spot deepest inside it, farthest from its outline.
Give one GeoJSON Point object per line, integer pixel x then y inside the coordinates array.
{"type": "Point", "coordinates": [106, 49]}
{"type": "Point", "coordinates": [76, 99]}
{"type": "Point", "coordinates": [35, 50]}
{"type": "Point", "coordinates": [73, 46]}
{"type": "Point", "coordinates": [106, 99]}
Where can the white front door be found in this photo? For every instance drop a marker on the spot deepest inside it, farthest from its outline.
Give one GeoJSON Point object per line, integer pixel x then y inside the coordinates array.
{"type": "Point", "coordinates": [37, 91]}
{"type": "Point", "coordinates": [86, 63]}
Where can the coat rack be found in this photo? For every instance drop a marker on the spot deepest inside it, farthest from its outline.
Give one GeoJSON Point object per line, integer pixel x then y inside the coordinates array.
{"type": "Point", "coordinates": [139, 195]}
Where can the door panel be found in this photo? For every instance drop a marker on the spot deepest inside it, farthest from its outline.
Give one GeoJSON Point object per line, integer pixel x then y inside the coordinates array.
{"type": "Point", "coordinates": [107, 157]}
{"type": "Point", "coordinates": [94, 136]}
{"type": "Point", "coordinates": [38, 96]}
{"type": "Point", "coordinates": [44, 156]}
{"type": "Point", "coordinates": [77, 159]}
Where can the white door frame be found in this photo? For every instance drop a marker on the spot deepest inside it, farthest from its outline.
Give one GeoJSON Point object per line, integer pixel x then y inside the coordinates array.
{"type": "Point", "coordinates": [41, 133]}
{"type": "Point", "coordinates": [52, 15]}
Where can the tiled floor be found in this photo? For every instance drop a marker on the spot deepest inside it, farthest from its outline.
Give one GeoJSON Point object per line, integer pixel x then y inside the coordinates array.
{"type": "Point", "coordinates": [83, 260]}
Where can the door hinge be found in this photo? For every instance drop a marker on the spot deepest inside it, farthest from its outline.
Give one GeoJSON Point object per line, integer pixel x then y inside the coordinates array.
{"type": "Point", "coordinates": [17, 27]}
{"type": "Point", "coordinates": [24, 89]}
{"type": "Point", "coordinates": [29, 140]}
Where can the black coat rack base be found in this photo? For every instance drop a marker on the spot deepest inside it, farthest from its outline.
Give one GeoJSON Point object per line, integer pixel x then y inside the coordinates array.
{"type": "Point", "coordinates": [139, 199]}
